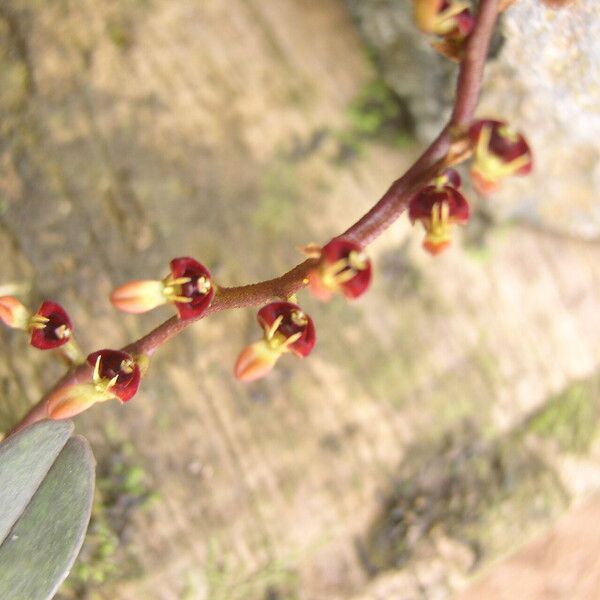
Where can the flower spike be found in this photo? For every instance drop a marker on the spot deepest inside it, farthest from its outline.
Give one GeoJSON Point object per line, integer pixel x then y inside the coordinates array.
{"type": "Point", "coordinates": [286, 328]}
{"type": "Point", "coordinates": [343, 267]}
{"type": "Point", "coordinates": [188, 286]}
{"type": "Point", "coordinates": [438, 207]}
{"type": "Point", "coordinates": [499, 152]}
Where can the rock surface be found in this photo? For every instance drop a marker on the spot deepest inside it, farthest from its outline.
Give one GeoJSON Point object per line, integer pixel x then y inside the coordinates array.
{"type": "Point", "coordinates": [545, 79]}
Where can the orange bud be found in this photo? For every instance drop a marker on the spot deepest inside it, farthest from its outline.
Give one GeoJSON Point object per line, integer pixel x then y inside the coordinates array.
{"type": "Point", "coordinates": [139, 296]}
{"type": "Point", "coordinates": [13, 313]}
{"type": "Point", "coordinates": [483, 186]}
{"type": "Point", "coordinates": [72, 400]}
{"type": "Point", "coordinates": [255, 361]}
{"type": "Point", "coordinates": [317, 287]}
{"type": "Point", "coordinates": [435, 247]}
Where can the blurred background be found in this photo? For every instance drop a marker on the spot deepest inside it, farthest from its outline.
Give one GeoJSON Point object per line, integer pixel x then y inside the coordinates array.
{"type": "Point", "coordinates": [445, 420]}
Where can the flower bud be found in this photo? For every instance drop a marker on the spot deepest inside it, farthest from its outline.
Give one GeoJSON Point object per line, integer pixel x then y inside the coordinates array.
{"type": "Point", "coordinates": [74, 399]}
{"type": "Point", "coordinates": [286, 329]}
{"type": "Point", "coordinates": [499, 152]}
{"type": "Point", "coordinates": [438, 207]}
{"type": "Point", "coordinates": [188, 287]}
{"type": "Point", "coordinates": [13, 313]}
{"type": "Point", "coordinates": [343, 267]}
{"type": "Point", "coordinates": [255, 361]}
{"type": "Point", "coordinates": [139, 296]}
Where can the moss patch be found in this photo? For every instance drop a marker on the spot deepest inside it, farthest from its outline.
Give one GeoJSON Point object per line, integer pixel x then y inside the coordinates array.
{"type": "Point", "coordinates": [377, 113]}
{"type": "Point", "coordinates": [571, 418]}
{"type": "Point", "coordinates": [482, 495]}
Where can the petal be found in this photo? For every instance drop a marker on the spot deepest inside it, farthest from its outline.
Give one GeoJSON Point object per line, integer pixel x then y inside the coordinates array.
{"type": "Point", "coordinates": [127, 388]}
{"type": "Point", "coordinates": [196, 308]}
{"type": "Point", "coordinates": [304, 346]}
{"type": "Point", "coordinates": [186, 266]}
{"type": "Point", "coordinates": [359, 284]}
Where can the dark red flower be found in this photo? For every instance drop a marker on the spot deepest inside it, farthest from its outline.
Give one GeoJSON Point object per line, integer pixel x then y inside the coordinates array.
{"type": "Point", "coordinates": [438, 207]}
{"type": "Point", "coordinates": [286, 329]}
{"type": "Point", "coordinates": [343, 266]}
{"type": "Point", "coordinates": [116, 373]}
{"type": "Point", "coordinates": [286, 325]}
{"type": "Point", "coordinates": [499, 151]}
{"type": "Point", "coordinates": [50, 327]}
{"type": "Point", "coordinates": [189, 286]}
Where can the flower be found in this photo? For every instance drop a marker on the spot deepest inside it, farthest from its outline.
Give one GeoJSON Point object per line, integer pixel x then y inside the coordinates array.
{"type": "Point", "coordinates": [50, 327]}
{"type": "Point", "coordinates": [438, 207]}
{"type": "Point", "coordinates": [343, 267]}
{"type": "Point", "coordinates": [116, 375]}
{"type": "Point", "coordinates": [188, 286]}
{"type": "Point", "coordinates": [443, 17]}
{"type": "Point", "coordinates": [499, 151]}
{"type": "Point", "coordinates": [286, 329]}
{"type": "Point", "coordinates": [450, 19]}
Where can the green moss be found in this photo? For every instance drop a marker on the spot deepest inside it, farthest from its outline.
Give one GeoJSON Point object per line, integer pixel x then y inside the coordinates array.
{"type": "Point", "coordinates": [376, 113]}
{"type": "Point", "coordinates": [484, 495]}
{"type": "Point", "coordinates": [374, 109]}
{"type": "Point", "coordinates": [571, 418]}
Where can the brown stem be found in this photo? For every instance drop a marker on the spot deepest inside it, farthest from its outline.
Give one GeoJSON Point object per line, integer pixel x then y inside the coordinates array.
{"type": "Point", "coordinates": [392, 204]}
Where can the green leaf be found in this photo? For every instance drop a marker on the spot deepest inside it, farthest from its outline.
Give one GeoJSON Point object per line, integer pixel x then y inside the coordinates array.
{"type": "Point", "coordinates": [46, 492]}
